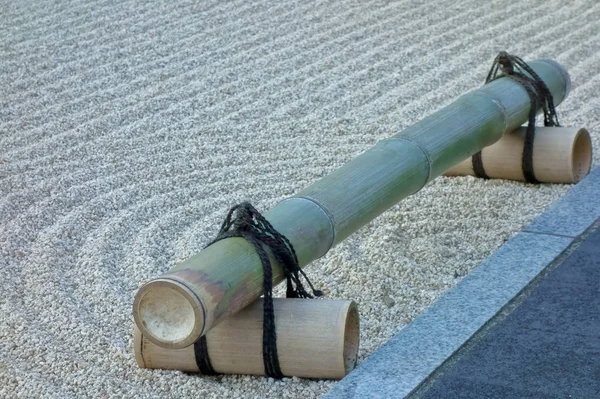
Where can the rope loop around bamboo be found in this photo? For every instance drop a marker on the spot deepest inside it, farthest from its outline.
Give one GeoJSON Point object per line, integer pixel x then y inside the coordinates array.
{"type": "Point", "coordinates": [243, 220]}
{"type": "Point", "coordinates": [513, 67]}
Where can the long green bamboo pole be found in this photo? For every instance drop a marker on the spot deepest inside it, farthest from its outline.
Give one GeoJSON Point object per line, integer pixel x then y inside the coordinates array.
{"type": "Point", "coordinates": [174, 310]}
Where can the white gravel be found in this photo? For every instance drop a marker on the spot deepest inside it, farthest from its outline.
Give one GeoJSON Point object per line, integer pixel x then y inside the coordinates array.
{"type": "Point", "coordinates": [127, 129]}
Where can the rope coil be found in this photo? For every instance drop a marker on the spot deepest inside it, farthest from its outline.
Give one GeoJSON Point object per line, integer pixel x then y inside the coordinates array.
{"type": "Point", "coordinates": [513, 67]}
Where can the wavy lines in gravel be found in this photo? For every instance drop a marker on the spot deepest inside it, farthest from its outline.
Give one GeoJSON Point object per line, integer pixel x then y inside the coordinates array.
{"type": "Point", "coordinates": [156, 69]}
{"type": "Point", "coordinates": [120, 123]}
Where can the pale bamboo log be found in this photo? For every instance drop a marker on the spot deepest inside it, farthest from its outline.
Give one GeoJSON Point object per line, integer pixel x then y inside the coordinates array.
{"type": "Point", "coordinates": [560, 155]}
{"type": "Point", "coordinates": [315, 339]}
{"type": "Point", "coordinates": [227, 276]}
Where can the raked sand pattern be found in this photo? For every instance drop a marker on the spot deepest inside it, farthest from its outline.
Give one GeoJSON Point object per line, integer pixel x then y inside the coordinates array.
{"type": "Point", "coordinates": [127, 130]}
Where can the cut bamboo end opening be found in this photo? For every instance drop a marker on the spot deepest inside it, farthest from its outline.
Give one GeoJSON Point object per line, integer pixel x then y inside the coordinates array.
{"type": "Point", "coordinates": [351, 338]}
{"type": "Point", "coordinates": [560, 155]}
{"type": "Point", "coordinates": [170, 314]}
{"type": "Point", "coordinates": [581, 155]}
{"type": "Point", "coordinates": [315, 339]}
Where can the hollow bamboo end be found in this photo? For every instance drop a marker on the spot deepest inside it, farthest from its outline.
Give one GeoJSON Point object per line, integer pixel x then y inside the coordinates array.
{"type": "Point", "coordinates": [581, 155]}
{"type": "Point", "coordinates": [168, 313]}
{"type": "Point", "coordinates": [351, 338]}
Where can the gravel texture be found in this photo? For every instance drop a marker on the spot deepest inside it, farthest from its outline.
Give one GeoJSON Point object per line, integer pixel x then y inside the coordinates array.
{"type": "Point", "coordinates": [127, 129]}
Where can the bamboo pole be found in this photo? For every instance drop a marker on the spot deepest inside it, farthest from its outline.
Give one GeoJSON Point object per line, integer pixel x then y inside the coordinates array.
{"type": "Point", "coordinates": [315, 339]}
{"type": "Point", "coordinates": [560, 155]}
{"type": "Point", "coordinates": [227, 276]}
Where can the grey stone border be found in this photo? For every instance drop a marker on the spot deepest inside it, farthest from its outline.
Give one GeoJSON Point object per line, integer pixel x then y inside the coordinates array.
{"type": "Point", "coordinates": [410, 357]}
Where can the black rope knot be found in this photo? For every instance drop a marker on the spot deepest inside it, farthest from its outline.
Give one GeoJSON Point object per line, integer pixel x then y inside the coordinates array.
{"type": "Point", "coordinates": [243, 220]}
{"type": "Point", "coordinates": [505, 63]}
{"type": "Point", "coordinates": [513, 67]}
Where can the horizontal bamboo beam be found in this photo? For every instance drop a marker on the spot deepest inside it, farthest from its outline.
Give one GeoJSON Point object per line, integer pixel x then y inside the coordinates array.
{"type": "Point", "coordinates": [315, 339]}
{"type": "Point", "coordinates": [560, 155]}
{"type": "Point", "coordinates": [227, 276]}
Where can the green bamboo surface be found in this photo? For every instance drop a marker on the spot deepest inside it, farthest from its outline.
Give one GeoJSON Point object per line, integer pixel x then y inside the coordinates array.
{"type": "Point", "coordinates": [227, 276]}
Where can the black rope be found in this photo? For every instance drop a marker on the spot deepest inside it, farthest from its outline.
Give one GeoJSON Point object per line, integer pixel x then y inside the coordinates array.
{"type": "Point", "coordinates": [249, 224]}
{"type": "Point", "coordinates": [516, 69]}
{"type": "Point", "coordinates": [201, 355]}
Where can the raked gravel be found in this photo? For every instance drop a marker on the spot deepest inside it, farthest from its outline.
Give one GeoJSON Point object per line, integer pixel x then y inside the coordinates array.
{"type": "Point", "coordinates": [127, 129]}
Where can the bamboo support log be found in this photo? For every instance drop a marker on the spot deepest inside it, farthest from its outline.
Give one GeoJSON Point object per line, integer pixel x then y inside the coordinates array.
{"type": "Point", "coordinates": [315, 339]}
{"type": "Point", "coordinates": [177, 308]}
{"type": "Point", "coordinates": [560, 155]}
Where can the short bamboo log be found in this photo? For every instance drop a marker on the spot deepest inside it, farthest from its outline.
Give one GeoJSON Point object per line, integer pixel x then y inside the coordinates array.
{"type": "Point", "coordinates": [177, 308]}
{"type": "Point", "coordinates": [315, 339]}
{"type": "Point", "coordinates": [560, 155]}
